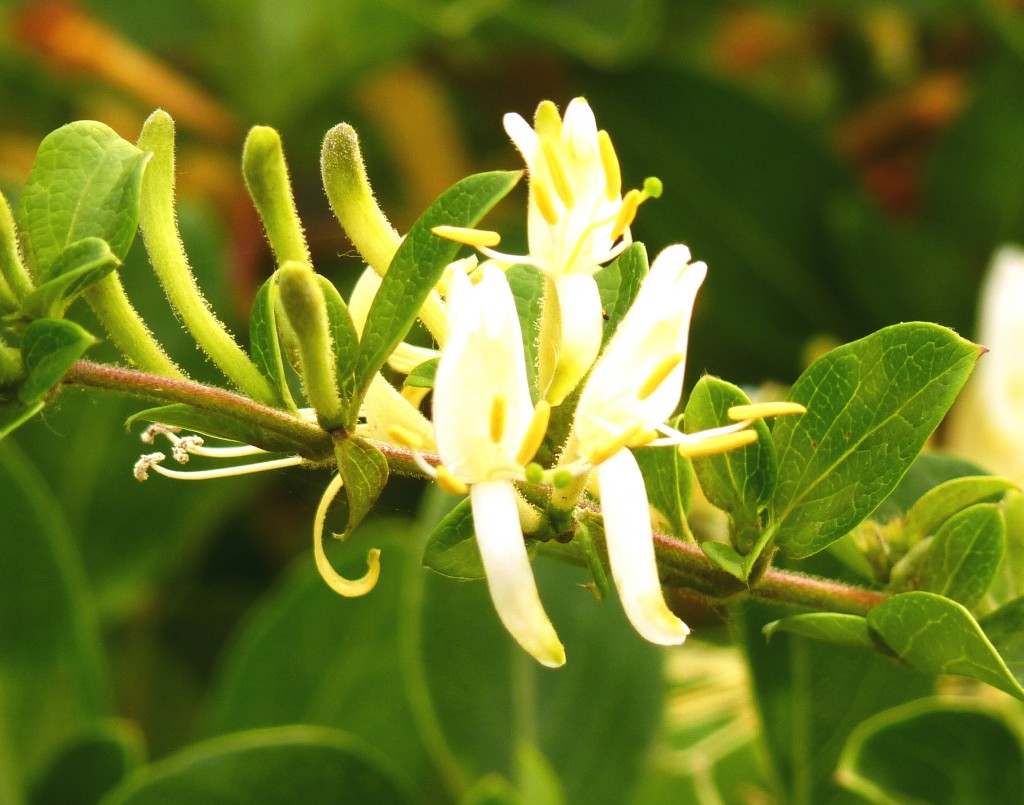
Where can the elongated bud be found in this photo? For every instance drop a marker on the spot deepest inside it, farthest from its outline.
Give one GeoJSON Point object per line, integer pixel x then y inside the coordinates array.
{"type": "Point", "coordinates": [11, 367]}
{"type": "Point", "coordinates": [351, 197]}
{"type": "Point", "coordinates": [15, 283]}
{"type": "Point", "coordinates": [305, 310]}
{"type": "Point", "coordinates": [266, 177]}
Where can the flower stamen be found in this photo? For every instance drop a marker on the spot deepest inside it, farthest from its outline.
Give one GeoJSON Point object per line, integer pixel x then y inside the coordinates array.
{"type": "Point", "coordinates": [535, 433]}
{"type": "Point", "coordinates": [477, 238]}
{"type": "Point", "coordinates": [497, 418]}
{"type": "Point", "coordinates": [610, 163]}
{"type": "Point", "coordinates": [658, 375]}
{"type": "Point", "coordinates": [717, 444]}
{"type": "Point", "coordinates": [556, 169]}
{"type": "Point", "coordinates": [764, 410]}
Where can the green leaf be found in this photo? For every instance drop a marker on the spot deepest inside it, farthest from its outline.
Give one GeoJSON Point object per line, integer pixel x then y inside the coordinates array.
{"type": "Point", "coordinates": [275, 766]}
{"type": "Point", "coordinates": [964, 555]}
{"type": "Point", "coordinates": [668, 477]}
{"type": "Point", "coordinates": [938, 636]}
{"type": "Point", "coordinates": [90, 765]}
{"type": "Point", "coordinates": [14, 414]}
{"type": "Point", "coordinates": [418, 265]}
{"type": "Point", "coordinates": [928, 471]}
{"type": "Point", "coordinates": [84, 183]}
{"type": "Point", "coordinates": [1005, 630]}
{"type": "Point", "coordinates": [218, 426]}
{"type": "Point", "coordinates": [832, 627]}
{"type": "Point", "coordinates": [344, 338]}
{"type": "Point", "coordinates": [618, 284]}
{"type": "Point", "coordinates": [934, 751]}
{"type": "Point", "coordinates": [943, 501]}
{"type": "Point", "coordinates": [467, 656]}
{"type": "Point", "coordinates": [52, 675]}
{"type": "Point", "coordinates": [740, 482]}
{"type": "Point", "coordinates": [871, 405]}
{"type": "Point", "coordinates": [264, 345]}
{"type": "Point", "coordinates": [307, 655]}
{"type": "Point", "coordinates": [49, 347]}
{"type": "Point", "coordinates": [1009, 581]}
{"type": "Point", "coordinates": [810, 695]}
{"type": "Point", "coordinates": [726, 558]}
{"type": "Point", "coordinates": [79, 266]}
{"type": "Point", "coordinates": [452, 550]}
{"type": "Point", "coordinates": [527, 286]}
{"type": "Point", "coordinates": [422, 377]}
{"type": "Point", "coordinates": [364, 470]}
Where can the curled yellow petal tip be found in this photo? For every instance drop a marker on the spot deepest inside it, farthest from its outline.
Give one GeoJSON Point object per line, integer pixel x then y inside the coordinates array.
{"type": "Point", "coordinates": [350, 588]}
{"type": "Point", "coordinates": [738, 413]}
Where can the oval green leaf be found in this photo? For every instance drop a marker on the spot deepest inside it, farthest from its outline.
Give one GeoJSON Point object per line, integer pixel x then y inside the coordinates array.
{"type": "Point", "coordinates": [964, 555]}
{"type": "Point", "coordinates": [871, 405]}
{"type": "Point", "coordinates": [418, 265]}
{"type": "Point", "coordinates": [49, 348]}
{"type": "Point", "coordinates": [275, 766]}
{"type": "Point", "coordinates": [85, 182]}
{"type": "Point", "coordinates": [935, 635]}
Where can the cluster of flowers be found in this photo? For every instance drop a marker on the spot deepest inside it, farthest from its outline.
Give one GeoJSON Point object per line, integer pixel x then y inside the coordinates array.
{"type": "Point", "coordinates": [486, 427]}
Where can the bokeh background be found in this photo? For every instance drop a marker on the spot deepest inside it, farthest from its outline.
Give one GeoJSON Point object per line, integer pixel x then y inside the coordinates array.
{"type": "Point", "coordinates": [839, 166]}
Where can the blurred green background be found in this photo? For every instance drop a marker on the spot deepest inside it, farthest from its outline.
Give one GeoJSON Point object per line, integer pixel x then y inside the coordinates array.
{"type": "Point", "coordinates": [839, 166]}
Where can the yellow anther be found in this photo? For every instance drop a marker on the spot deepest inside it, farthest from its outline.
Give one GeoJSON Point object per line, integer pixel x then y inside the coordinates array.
{"type": "Point", "coordinates": [644, 438]}
{"type": "Point", "coordinates": [718, 444]}
{"type": "Point", "coordinates": [738, 413]}
{"type": "Point", "coordinates": [627, 212]}
{"type": "Point", "coordinates": [448, 482]}
{"type": "Point", "coordinates": [535, 433]}
{"type": "Point", "coordinates": [547, 121]}
{"type": "Point", "coordinates": [657, 377]}
{"type": "Point", "coordinates": [498, 408]}
{"type": "Point", "coordinates": [546, 204]}
{"type": "Point", "coordinates": [613, 446]}
{"type": "Point", "coordinates": [405, 437]}
{"type": "Point", "coordinates": [557, 171]}
{"type": "Point", "coordinates": [470, 237]}
{"type": "Point", "coordinates": [610, 162]}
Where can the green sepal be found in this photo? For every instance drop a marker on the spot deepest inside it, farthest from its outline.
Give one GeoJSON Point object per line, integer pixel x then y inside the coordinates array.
{"type": "Point", "coordinates": [48, 348]}
{"type": "Point", "coordinates": [422, 377]}
{"type": "Point", "coordinates": [85, 182]}
{"type": "Point", "coordinates": [416, 268]}
{"type": "Point", "coordinates": [265, 345]}
{"type": "Point", "coordinates": [364, 471]}
{"type": "Point", "coordinates": [871, 405]}
{"type": "Point", "coordinates": [81, 265]}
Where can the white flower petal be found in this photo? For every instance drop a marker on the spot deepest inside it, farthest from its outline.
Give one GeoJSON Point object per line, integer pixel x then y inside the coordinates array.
{"type": "Point", "coordinates": [630, 543]}
{"type": "Point", "coordinates": [579, 307]}
{"type": "Point", "coordinates": [523, 137]}
{"type": "Point", "coordinates": [579, 130]}
{"type": "Point", "coordinates": [482, 361]}
{"type": "Point", "coordinates": [509, 575]}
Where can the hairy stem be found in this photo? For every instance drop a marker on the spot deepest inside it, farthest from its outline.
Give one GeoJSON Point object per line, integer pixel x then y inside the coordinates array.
{"type": "Point", "coordinates": [310, 441]}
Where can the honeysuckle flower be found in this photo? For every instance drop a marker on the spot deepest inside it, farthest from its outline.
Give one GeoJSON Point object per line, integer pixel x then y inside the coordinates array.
{"type": "Point", "coordinates": [487, 429]}
{"type": "Point", "coordinates": [634, 387]}
{"type": "Point", "coordinates": [577, 221]}
{"type": "Point", "coordinates": [987, 423]}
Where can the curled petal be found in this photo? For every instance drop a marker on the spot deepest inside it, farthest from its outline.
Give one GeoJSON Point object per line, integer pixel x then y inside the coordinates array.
{"type": "Point", "coordinates": [509, 575]}
{"type": "Point", "coordinates": [627, 523]}
{"type": "Point", "coordinates": [350, 588]}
